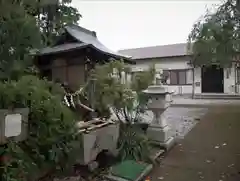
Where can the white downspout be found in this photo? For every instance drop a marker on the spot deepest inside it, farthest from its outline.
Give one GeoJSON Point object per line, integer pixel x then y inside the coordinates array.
{"type": "Point", "coordinates": [193, 82]}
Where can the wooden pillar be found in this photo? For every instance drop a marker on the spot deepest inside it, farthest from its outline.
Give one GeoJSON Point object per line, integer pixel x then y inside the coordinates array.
{"type": "Point", "coordinates": [85, 68]}
{"type": "Point", "coordinates": [66, 71]}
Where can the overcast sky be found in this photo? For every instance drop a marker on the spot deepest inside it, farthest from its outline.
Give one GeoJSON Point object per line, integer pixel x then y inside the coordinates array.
{"type": "Point", "coordinates": [131, 24]}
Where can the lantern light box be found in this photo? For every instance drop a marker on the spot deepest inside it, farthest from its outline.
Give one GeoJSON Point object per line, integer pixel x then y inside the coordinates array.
{"type": "Point", "coordinates": [13, 124]}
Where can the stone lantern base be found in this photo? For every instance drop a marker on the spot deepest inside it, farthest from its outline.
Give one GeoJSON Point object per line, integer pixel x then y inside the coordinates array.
{"type": "Point", "coordinates": [160, 136]}
{"type": "Point", "coordinates": [159, 131]}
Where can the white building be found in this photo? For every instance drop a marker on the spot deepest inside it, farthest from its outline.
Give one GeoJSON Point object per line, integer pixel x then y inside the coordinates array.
{"type": "Point", "coordinates": [182, 77]}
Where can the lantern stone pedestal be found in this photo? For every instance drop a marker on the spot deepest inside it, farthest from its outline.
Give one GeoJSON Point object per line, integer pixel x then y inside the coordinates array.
{"type": "Point", "coordinates": [159, 131]}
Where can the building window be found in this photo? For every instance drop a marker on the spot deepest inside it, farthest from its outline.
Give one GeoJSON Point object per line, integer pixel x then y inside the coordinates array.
{"type": "Point", "coordinates": [179, 77]}
{"type": "Point", "coordinates": [238, 75]}
{"type": "Point", "coordinates": [189, 76]}
{"type": "Point", "coordinates": [182, 77]}
{"type": "Point", "coordinates": [173, 77]}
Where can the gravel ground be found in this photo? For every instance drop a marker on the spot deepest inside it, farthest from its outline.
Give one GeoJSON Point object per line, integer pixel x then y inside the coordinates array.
{"type": "Point", "coordinates": [180, 120]}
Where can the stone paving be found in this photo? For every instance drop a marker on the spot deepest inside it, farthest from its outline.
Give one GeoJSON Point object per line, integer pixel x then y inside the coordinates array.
{"type": "Point", "coordinates": [186, 102]}
{"type": "Point", "coordinates": [210, 152]}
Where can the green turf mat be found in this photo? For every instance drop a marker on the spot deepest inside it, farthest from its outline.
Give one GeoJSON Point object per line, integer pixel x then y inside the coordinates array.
{"type": "Point", "coordinates": [128, 169]}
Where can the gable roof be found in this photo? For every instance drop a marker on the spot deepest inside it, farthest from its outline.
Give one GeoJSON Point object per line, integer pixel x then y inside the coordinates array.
{"type": "Point", "coordinates": [161, 51]}
{"type": "Point", "coordinates": [90, 37]}
{"type": "Point", "coordinates": [85, 38]}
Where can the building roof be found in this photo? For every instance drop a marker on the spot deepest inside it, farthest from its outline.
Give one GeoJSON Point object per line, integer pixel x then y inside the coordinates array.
{"type": "Point", "coordinates": [86, 38]}
{"type": "Point", "coordinates": [161, 51]}
{"type": "Point", "coordinates": [90, 37]}
{"type": "Point", "coordinates": [62, 48]}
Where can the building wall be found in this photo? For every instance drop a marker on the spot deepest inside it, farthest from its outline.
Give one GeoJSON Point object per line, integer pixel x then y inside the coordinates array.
{"type": "Point", "coordinates": [197, 81]}
{"type": "Point", "coordinates": [59, 70]}
{"type": "Point", "coordinates": [172, 63]}
{"type": "Point", "coordinates": [164, 63]}
{"type": "Point", "coordinates": [76, 76]}
{"type": "Point", "coordinates": [74, 73]}
{"type": "Point", "coordinates": [229, 80]}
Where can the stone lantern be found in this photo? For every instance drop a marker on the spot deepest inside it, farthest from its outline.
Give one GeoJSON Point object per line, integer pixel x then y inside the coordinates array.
{"type": "Point", "coordinates": [159, 100]}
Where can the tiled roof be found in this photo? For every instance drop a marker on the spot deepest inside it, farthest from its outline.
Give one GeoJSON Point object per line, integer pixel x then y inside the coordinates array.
{"type": "Point", "coordinates": [90, 37]}
{"type": "Point", "coordinates": [62, 48]}
{"type": "Point", "coordinates": [172, 50]}
{"type": "Point", "coordinates": [85, 38]}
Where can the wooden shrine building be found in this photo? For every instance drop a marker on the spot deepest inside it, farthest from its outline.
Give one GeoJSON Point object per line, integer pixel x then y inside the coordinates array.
{"type": "Point", "coordinates": [74, 54]}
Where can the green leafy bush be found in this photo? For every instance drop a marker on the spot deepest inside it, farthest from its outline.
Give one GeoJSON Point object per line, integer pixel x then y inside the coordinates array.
{"type": "Point", "coordinates": [127, 103]}
{"type": "Point", "coordinates": [51, 127]}
{"type": "Point", "coordinates": [125, 98]}
{"type": "Point", "coordinates": [133, 144]}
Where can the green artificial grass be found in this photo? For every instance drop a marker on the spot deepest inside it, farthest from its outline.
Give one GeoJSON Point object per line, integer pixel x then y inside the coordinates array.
{"type": "Point", "coordinates": [128, 169]}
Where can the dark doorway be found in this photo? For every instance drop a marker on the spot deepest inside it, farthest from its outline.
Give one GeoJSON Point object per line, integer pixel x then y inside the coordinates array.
{"type": "Point", "coordinates": [212, 79]}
